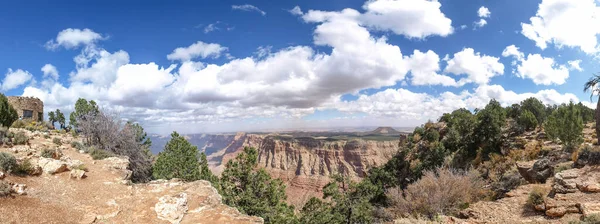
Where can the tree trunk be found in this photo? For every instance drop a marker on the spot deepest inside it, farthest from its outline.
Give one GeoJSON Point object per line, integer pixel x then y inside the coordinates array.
{"type": "Point", "coordinates": [598, 121]}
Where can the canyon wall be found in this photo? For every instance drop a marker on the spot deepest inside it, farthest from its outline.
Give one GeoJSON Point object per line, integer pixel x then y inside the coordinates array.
{"type": "Point", "coordinates": [306, 164]}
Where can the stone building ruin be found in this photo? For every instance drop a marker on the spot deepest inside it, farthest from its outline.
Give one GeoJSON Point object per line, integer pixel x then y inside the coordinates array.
{"type": "Point", "coordinates": [27, 107]}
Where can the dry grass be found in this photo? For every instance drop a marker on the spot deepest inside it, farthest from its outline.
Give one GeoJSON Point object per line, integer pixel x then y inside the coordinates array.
{"type": "Point", "coordinates": [536, 196]}
{"type": "Point", "coordinates": [443, 192]}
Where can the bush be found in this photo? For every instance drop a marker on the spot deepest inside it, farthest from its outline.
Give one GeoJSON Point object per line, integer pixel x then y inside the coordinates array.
{"type": "Point", "coordinates": [109, 133]}
{"type": "Point", "coordinates": [47, 153]}
{"type": "Point", "coordinates": [8, 114]}
{"type": "Point", "coordinates": [5, 189]}
{"type": "Point", "coordinates": [98, 154]}
{"type": "Point", "coordinates": [81, 167]}
{"type": "Point", "coordinates": [7, 162]}
{"type": "Point", "coordinates": [24, 168]}
{"type": "Point", "coordinates": [20, 138]}
{"type": "Point", "coordinates": [536, 196]}
{"type": "Point", "coordinates": [439, 192]}
{"type": "Point", "coordinates": [57, 141]}
{"type": "Point", "coordinates": [77, 145]}
{"type": "Point", "coordinates": [46, 136]}
{"type": "Point", "coordinates": [19, 124]}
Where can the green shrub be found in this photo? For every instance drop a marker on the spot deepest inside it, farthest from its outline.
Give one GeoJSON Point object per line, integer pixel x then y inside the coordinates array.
{"type": "Point", "coordinates": [5, 189]}
{"type": "Point", "coordinates": [98, 154]}
{"type": "Point", "coordinates": [24, 168]}
{"type": "Point", "coordinates": [46, 136]}
{"type": "Point", "coordinates": [51, 153]}
{"type": "Point", "coordinates": [7, 162]}
{"type": "Point", "coordinates": [20, 138]}
{"type": "Point", "coordinates": [77, 145]}
{"type": "Point", "coordinates": [57, 141]}
{"type": "Point", "coordinates": [19, 124]}
{"type": "Point", "coordinates": [536, 196]}
{"type": "Point", "coordinates": [566, 124]}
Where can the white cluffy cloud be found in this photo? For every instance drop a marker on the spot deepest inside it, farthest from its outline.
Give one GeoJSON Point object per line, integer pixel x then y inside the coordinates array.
{"type": "Point", "coordinates": [574, 65]}
{"type": "Point", "coordinates": [50, 71]}
{"type": "Point", "coordinates": [411, 18]}
{"type": "Point", "coordinates": [483, 12]}
{"type": "Point", "coordinates": [248, 8]}
{"type": "Point", "coordinates": [198, 49]}
{"type": "Point", "coordinates": [571, 23]}
{"type": "Point", "coordinates": [478, 68]}
{"type": "Point", "coordinates": [73, 38]}
{"type": "Point", "coordinates": [541, 70]}
{"type": "Point", "coordinates": [14, 79]}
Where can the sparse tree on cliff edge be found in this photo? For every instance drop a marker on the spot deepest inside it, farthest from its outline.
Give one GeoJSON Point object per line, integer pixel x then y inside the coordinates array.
{"type": "Point", "coordinates": [253, 191]}
{"type": "Point", "coordinates": [179, 159]}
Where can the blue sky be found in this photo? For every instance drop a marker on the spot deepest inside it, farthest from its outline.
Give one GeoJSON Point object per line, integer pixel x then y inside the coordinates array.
{"type": "Point", "coordinates": [210, 66]}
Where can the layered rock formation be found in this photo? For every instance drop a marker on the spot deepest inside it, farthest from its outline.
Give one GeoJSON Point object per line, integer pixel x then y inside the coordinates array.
{"type": "Point", "coordinates": [305, 164]}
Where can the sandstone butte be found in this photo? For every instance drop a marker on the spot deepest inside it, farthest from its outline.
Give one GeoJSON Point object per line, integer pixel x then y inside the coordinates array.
{"type": "Point", "coordinates": [103, 194]}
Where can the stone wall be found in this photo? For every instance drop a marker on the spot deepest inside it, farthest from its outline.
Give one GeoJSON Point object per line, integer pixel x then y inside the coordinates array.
{"type": "Point", "coordinates": [22, 104]}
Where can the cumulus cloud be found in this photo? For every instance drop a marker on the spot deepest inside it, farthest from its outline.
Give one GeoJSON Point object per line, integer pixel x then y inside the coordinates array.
{"type": "Point", "coordinates": [541, 70]}
{"type": "Point", "coordinates": [404, 104]}
{"type": "Point", "coordinates": [480, 23]}
{"type": "Point", "coordinates": [483, 12]}
{"type": "Point", "coordinates": [565, 23]}
{"type": "Point", "coordinates": [14, 79]}
{"type": "Point", "coordinates": [574, 65]}
{"type": "Point", "coordinates": [411, 18]}
{"type": "Point", "coordinates": [198, 49]}
{"type": "Point", "coordinates": [248, 8]}
{"type": "Point", "coordinates": [296, 11]}
{"type": "Point", "coordinates": [478, 68]}
{"type": "Point", "coordinates": [50, 71]}
{"type": "Point", "coordinates": [425, 68]}
{"type": "Point", "coordinates": [72, 38]}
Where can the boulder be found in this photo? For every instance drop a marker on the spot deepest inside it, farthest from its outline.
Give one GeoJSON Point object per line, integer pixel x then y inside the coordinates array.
{"type": "Point", "coordinates": [78, 174]}
{"type": "Point", "coordinates": [556, 208]}
{"type": "Point", "coordinates": [36, 170]}
{"type": "Point", "coordinates": [171, 208]}
{"type": "Point", "coordinates": [119, 163]}
{"type": "Point", "coordinates": [52, 166]}
{"type": "Point", "coordinates": [535, 171]}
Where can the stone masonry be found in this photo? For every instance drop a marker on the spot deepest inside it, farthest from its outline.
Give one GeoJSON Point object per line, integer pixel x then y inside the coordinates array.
{"type": "Point", "coordinates": [28, 107]}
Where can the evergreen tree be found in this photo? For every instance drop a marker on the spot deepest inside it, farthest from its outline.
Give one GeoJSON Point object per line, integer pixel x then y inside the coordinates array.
{"type": "Point", "coordinates": [51, 117]}
{"type": "Point", "coordinates": [536, 107]}
{"type": "Point", "coordinates": [527, 120]}
{"type": "Point", "coordinates": [8, 114]}
{"type": "Point", "coordinates": [179, 159]}
{"type": "Point", "coordinates": [60, 118]}
{"type": "Point", "coordinates": [253, 191]}
{"type": "Point", "coordinates": [82, 107]}
{"type": "Point", "coordinates": [489, 129]}
{"type": "Point", "coordinates": [567, 125]}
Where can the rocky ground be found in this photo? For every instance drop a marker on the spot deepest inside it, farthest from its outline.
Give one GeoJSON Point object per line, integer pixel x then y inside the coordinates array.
{"type": "Point", "coordinates": [570, 194]}
{"type": "Point", "coordinates": [64, 193]}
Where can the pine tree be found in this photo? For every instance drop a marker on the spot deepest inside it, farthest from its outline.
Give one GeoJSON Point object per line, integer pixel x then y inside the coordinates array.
{"type": "Point", "coordinates": [253, 191]}
{"type": "Point", "coordinates": [179, 159]}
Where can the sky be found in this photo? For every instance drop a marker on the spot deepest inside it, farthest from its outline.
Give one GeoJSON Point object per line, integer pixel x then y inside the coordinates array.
{"type": "Point", "coordinates": [223, 66]}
